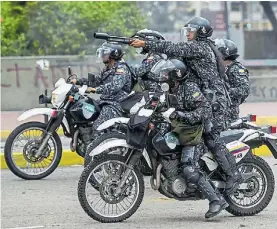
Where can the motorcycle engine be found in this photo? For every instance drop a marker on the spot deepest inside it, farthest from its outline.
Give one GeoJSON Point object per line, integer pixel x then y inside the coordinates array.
{"type": "Point", "coordinates": [179, 186]}
{"type": "Point", "coordinates": [175, 183]}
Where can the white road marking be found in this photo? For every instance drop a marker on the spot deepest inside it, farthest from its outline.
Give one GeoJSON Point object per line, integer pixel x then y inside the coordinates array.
{"type": "Point", "coordinates": [31, 227]}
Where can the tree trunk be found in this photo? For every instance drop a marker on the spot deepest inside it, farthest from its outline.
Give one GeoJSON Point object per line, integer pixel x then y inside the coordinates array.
{"type": "Point", "coordinates": [270, 14]}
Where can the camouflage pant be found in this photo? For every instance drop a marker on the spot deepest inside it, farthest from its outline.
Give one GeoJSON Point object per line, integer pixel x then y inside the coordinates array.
{"type": "Point", "coordinates": [218, 147]}
{"type": "Point", "coordinates": [233, 113]}
{"type": "Point", "coordinates": [108, 112]}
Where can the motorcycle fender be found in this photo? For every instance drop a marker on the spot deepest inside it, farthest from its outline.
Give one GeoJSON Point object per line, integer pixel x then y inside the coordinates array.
{"type": "Point", "coordinates": [115, 143]}
{"type": "Point", "coordinates": [238, 149]}
{"type": "Point", "coordinates": [111, 122]}
{"type": "Point", "coordinates": [210, 161]}
{"type": "Point", "coordinates": [270, 136]}
{"type": "Point", "coordinates": [40, 111]}
{"type": "Point", "coordinates": [272, 145]}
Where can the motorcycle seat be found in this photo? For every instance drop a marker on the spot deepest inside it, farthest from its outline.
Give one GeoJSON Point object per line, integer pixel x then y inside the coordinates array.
{"type": "Point", "coordinates": [231, 135]}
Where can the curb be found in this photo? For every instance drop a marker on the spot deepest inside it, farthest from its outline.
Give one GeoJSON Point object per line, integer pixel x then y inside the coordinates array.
{"type": "Point", "coordinates": [68, 158]}
{"type": "Point", "coordinates": [72, 158]}
{"type": "Point", "coordinates": [5, 133]}
{"type": "Point", "coordinates": [263, 120]}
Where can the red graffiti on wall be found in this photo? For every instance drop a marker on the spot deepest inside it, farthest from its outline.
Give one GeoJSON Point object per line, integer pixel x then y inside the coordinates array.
{"type": "Point", "coordinates": [39, 77]}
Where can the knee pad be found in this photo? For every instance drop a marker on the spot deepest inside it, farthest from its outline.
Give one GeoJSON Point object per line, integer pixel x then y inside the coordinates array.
{"type": "Point", "coordinates": [188, 154]}
{"type": "Point", "coordinates": [191, 174]}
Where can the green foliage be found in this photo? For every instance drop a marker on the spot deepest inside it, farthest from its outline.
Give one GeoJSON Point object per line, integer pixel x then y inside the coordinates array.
{"type": "Point", "coordinates": [64, 28]}
{"type": "Point", "coordinates": [13, 39]}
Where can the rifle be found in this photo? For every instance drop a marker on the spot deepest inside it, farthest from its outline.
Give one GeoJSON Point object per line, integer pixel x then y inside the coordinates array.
{"type": "Point", "coordinates": [107, 37]}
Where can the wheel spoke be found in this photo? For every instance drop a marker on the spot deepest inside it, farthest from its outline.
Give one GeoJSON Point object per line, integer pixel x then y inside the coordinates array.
{"type": "Point", "coordinates": [256, 187]}
{"type": "Point", "coordinates": [112, 204]}
{"type": "Point", "coordinates": [23, 157]}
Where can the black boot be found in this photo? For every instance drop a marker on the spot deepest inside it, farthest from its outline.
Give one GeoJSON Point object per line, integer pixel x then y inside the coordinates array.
{"type": "Point", "coordinates": [232, 182]}
{"type": "Point", "coordinates": [215, 207]}
{"type": "Point", "coordinates": [217, 204]}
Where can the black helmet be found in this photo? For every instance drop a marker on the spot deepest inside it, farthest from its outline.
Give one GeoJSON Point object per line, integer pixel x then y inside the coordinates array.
{"type": "Point", "coordinates": [149, 35]}
{"type": "Point", "coordinates": [180, 70]}
{"type": "Point", "coordinates": [114, 50]}
{"type": "Point", "coordinates": [172, 69]}
{"type": "Point", "coordinates": [200, 25]}
{"type": "Point", "coordinates": [227, 48]}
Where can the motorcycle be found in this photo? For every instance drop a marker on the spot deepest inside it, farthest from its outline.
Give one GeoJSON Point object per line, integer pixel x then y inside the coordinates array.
{"type": "Point", "coordinates": [119, 182]}
{"type": "Point", "coordinates": [75, 112]}
{"type": "Point", "coordinates": [72, 110]}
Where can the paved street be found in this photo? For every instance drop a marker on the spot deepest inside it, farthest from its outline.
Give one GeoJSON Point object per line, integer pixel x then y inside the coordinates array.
{"type": "Point", "coordinates": [53, 203]}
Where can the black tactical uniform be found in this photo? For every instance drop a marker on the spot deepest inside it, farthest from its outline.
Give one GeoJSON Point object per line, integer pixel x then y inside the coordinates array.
{"type": "Point", "coordinates": [203, 59]}
{"type": "Point", "coordinates": [114, 84]}
{"type": "Point", "coordinates": [144, 70]}
{"type": "Point", "coordinates": [194, 111]}
{"type": "Point", "coordinates": [237, 75]}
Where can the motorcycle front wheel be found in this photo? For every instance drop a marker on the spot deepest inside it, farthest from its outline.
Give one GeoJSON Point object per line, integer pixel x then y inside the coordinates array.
{"type": "Point", "coordinates": [111, 203]}
{"type": "Point", "coordinates": [22, 162]}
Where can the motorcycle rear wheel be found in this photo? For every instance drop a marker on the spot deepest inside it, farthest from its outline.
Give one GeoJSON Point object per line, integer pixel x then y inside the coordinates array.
{"type": "Point", "coordinates": [266, 195]}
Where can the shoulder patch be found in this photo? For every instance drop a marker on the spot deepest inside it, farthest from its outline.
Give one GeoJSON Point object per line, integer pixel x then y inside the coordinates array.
{"type": "Point", "coordinates": [120, 70]}
{"type": "Point", "coordinates": [196, 94]}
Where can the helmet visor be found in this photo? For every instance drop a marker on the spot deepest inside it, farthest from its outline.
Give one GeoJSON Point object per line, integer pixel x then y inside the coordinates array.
{"type": "Point", "coordinates": [186, 30]}
{"type": "Point", "coordinates": [103, 52]}
{"type": "Point", "coordinates": [162, 68]}
{"type": "Point", "coordinates": [219, 43]}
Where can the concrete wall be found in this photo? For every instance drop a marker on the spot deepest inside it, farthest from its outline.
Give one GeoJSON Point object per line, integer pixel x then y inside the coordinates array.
{"type": "Point", "coordinates": [22, 80]}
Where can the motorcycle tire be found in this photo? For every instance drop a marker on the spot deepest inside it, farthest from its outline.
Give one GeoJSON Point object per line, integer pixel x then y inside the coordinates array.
{"type": "Point", "coordinates": [85, 203]}
{"type": "Point", "coordinates": [236, 210]}
{"type": "Point", "coordinates": [8, 155]}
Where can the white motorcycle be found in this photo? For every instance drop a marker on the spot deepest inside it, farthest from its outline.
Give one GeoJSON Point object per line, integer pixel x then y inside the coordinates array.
{"type": "Point", "coordinates": [116, 178]}
{"type": "Point", "coordinates": [33, 150]}
{"type": "Point", "coordinates": [75, 112]}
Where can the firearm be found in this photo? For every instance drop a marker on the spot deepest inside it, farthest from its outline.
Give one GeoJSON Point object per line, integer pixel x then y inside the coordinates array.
{"type": "Point", "coordinates": [107, 37]}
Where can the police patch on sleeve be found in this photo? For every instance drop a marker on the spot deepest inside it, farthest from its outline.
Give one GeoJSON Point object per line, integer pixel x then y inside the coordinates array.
{"type": "Point", "coordinates": [197, 95]}
{"type": "Point", "coordinates": [120, 71]}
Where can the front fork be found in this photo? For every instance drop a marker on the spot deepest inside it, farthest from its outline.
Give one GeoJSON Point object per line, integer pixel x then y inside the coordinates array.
{"type": "Point", "coordinates": [52, 126]}
{"type": "Point", "coordinates": [132, 161]}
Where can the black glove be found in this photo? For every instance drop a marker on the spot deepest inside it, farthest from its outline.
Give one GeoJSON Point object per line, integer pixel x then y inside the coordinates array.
{"type": "Point", "coordinates": [82, 81]}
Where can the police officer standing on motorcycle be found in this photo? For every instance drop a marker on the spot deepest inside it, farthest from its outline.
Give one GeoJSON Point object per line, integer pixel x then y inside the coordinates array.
{"type": "Point", "coordinates": [195, 110]}
{"type": "Point", "coordinates": [203, 59]}
{"type": "Point", "coordinates": [144, 70]}
{"type": "Point", "coordinates": [113, 83]}
{"type": "Point", "coordinates": [237, 74]}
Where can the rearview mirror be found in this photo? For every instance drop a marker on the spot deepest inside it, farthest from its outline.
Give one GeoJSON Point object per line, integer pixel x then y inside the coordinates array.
{"type": "Point", "coordinates": [69, 71]}
{"type": "Point", "coordinates": [91, 77]}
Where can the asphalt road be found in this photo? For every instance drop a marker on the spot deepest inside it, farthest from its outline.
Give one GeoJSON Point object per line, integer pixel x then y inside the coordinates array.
{"type": "Point", "coordinates": [53, 203]}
